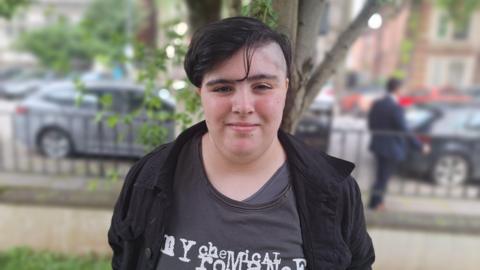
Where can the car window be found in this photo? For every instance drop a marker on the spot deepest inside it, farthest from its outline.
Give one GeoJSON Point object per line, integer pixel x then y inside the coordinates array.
{"type": "Point", "coordinates": [68, 97]}
{"type": "Point", "coordinates": [119, 99]}
{"type": "Point", "coordinates": [416, 117]}
{"type": "Point", "coordinates": [474, 121]}
{"type": "Point", "coordinates": [135, 100]}
{"type": "Point", "coordinates": [453, 121]}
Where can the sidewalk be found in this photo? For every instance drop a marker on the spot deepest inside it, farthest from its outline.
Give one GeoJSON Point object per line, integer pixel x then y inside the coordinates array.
{"type": "Point", "coordinates": [403, 212]}
{"type": "Point", "coordinates": [413, 234]}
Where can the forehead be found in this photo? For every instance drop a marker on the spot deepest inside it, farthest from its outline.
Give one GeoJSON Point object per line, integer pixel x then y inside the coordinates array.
{"type": "Point", "coordinates": [268, 58]}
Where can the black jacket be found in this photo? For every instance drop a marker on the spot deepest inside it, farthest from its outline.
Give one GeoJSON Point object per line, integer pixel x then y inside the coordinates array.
{"type": "Point", "coordinates": [328, 200]}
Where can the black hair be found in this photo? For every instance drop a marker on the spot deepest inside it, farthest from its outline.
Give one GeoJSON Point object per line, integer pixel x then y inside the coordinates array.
{"type": "Point", "coordinates": [218, 41]}
{"type": "Point", "coordinates": [393, 84]}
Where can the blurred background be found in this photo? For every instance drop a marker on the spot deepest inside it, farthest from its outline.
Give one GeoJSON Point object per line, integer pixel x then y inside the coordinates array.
{"type": "Point", "coordinates": [89, 86]}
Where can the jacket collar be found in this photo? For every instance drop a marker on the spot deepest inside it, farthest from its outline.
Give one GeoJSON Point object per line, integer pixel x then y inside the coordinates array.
{"type": "Point", "coordinates": [310, 164]}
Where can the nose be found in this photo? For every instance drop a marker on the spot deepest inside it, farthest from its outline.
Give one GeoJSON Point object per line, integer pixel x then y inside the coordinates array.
{"type": "Point", "coordinates": [243, 102]}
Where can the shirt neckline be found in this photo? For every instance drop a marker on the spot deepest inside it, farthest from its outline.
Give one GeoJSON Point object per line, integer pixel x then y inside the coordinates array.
{"type": "Point", "coordinates": [224, 200]}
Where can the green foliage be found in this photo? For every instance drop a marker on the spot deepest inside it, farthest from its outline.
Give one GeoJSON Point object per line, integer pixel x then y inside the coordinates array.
{"type": "Point", "coordinates": [26, 259]}
{"type": "Point", "coordinates": [105, 27]}
{"type": "Point", "coordinates": [162, 62]}
{"type": "Point", "coordinates": [262, 10]}
{"type": "Point", "coordinates": [9, 7]}
{"type": "Point", "coordinates": [459, 11]}
{"type": "Point", "coordinates": [59, 46]}
{"type": "Point", "coordinates": [153, 64]}
{"type": "Point", "coordinates": [102, 34]}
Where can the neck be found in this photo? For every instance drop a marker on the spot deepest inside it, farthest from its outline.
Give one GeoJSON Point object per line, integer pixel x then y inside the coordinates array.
{"type": "Point", "coordinates": [219, 161]}
{"type": "Point", "coordinates": [240, 177]}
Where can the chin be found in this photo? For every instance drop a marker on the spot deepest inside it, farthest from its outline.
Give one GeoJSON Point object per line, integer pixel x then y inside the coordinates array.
{"type": "Point", "coordinates": [243, 149]}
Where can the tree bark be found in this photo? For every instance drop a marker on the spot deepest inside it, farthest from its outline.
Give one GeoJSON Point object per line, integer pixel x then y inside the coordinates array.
{"type": "Point", "coordinates": [287, 11]}
{"type": "Point", "coordinates": [339, 50]}
{"type": "Point", "coordinates": [310, 86]}
{"type": "Point", "coordinates": [235, 8]}
{"type": "Point", "coordinates": [202, 12]}
{"type": "Point", "coordinates": [148, 31]}
{"type": "Point", "coordinates": [304, 38]}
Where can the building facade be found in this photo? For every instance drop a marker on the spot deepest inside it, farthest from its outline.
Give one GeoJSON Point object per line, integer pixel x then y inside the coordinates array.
{"type": "Point", "coordinates": [442, 54]}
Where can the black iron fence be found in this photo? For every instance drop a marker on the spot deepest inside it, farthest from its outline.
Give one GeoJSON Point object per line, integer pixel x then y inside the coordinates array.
{"type": "Point", "coordinates": [66, 145]}
{"type": "Point", "coordinates": [83, 147]}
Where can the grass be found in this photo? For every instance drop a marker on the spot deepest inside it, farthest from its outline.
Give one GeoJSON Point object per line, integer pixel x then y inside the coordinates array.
{"type": "Point", "coordinates": [27, 259]}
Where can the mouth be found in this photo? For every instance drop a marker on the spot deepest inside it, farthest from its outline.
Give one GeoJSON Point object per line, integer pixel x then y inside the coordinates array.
{"type": "Point", "coordinates": [242, 126]}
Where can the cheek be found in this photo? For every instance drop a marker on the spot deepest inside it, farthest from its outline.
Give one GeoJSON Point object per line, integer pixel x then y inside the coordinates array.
{"type": "Point", "coordinates": [271, 107]}
{"type": "Point", "coordinates": [214, 107]}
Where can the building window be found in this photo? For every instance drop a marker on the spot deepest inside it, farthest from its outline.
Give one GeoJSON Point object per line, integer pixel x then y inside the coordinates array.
{"type": "Point", "coordinates": [442, 29]}
{"type": "Point", "coordinates": [456, 73]}
{"type": "Point", "coordinates": [450, 71]}
{"type": "Point", "coordinates": [447, 30]}
{"type": "Point", "coordinates": [460, 32]}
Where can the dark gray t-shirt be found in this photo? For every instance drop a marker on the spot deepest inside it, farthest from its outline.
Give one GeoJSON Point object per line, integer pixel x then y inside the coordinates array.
{"type": "Point", "coordinates": [208, 230]}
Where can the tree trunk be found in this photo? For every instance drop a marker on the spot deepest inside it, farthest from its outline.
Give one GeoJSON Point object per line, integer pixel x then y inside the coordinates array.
{"type": "Point", "coordinates": [202, 12]}
{"type": "Point", "coordinates": [304, 36]}
{"type": "Point", "coordinates": [235, 8]}
{"type": "Point", "coordinates": [304, 92]}
{"type": "Point", "coordinates": [287, 11]}
{"type": "Point", "coordinates": [148, 32]}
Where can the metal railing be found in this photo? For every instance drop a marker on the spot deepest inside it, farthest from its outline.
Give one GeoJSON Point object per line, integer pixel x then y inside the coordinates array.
{"type": "Point", "coordinates": [97, 149]}
{"type": "Point", "coordinates": [99, 152]}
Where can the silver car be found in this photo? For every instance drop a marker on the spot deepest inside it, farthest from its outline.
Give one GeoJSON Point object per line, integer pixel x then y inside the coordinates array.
{"type": "Point", "coordinates": [57, 122]}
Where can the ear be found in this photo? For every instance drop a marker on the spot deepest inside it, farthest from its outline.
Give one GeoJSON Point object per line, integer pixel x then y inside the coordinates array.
{"type": "Point", "coordinates": [197, 90]}
{"type": "Point", "coordinates": [286, 83]}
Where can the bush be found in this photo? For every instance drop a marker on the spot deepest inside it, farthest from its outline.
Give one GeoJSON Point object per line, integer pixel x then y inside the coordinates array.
{"type": "Point", "coordinates": [26, 259]}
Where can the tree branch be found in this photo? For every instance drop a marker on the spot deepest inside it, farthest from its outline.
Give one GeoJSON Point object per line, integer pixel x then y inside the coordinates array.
{"type": "Point", "coordinates": [287, 11]}
{"type": "Point", "coordinates": [202, 12]}
{"type": "Point", "coordinates": [339, 50]}
{"type": "Point", "coordinates": [307, 34]}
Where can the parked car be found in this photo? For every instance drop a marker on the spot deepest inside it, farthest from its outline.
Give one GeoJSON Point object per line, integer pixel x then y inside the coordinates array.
{"type": "Point", "coordinates": [325, 98]}
{"type": "Point", "coordinates": [453, 131]}
{"type": "Point", "coordinates": [359, 99]}
{"type": "Point", "coordinates": [434, 95]}
{"type": "Point", "coordinates": [50, 121]}
{"type": "Point", "coordinates": [474, 92]}
{"type": "Point", "coordinates": [25, 83]}
{"type": "Point", "coordinates": [315, 126]}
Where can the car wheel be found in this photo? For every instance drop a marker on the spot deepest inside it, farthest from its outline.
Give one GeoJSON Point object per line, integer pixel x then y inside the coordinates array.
{"type": "Point", "coordinates": [451, 170]}
{"type": "Point", "coordinates": [55, 143]}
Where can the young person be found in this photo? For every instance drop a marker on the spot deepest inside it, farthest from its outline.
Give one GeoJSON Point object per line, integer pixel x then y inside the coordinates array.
{"type": "Point", "coordinates": [235, 191]}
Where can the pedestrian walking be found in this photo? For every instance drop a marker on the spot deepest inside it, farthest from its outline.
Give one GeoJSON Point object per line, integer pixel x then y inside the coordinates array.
{"type": "Point", "coordinates": [390, 139]}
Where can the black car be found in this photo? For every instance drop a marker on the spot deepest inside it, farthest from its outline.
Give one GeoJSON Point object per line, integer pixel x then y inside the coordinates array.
{"type": "Point", "coordinates": [453, 132]}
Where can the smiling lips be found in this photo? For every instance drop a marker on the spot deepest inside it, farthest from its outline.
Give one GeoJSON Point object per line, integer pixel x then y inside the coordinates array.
{"type": "Point", "coordinates": [243, 126]}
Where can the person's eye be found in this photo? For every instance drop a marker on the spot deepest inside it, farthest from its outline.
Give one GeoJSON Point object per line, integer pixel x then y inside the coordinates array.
{"type": "Point", "coordinates": [223, 89]}
{"type": "Point", "coordinates": [262, 87]}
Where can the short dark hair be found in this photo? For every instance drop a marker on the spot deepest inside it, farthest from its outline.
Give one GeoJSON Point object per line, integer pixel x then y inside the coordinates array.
{"type": "Point", "coordinates": [217, 41]}
{"type": "Point", "coordinates": [393, 84]}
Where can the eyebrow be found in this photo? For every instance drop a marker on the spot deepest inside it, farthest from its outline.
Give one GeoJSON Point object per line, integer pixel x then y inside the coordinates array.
{"type": "Point", "coordinates": [249, 78]}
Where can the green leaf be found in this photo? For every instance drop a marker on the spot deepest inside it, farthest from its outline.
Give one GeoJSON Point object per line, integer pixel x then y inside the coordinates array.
{"type": "Point", "coordinates": [112, 120]}
{"type": "Point", "coordinates": [106, 101]}
{"type": "Point", "coordinates": [99, 116]}
{"type": "Point", "coordinates": [92, 185]}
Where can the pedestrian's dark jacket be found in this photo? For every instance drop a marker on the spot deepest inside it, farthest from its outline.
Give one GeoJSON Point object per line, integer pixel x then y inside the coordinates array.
{"type": "Point", "coordinates": [328, 201]}
{"type": "Point", "coordinates": [391, 136]}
